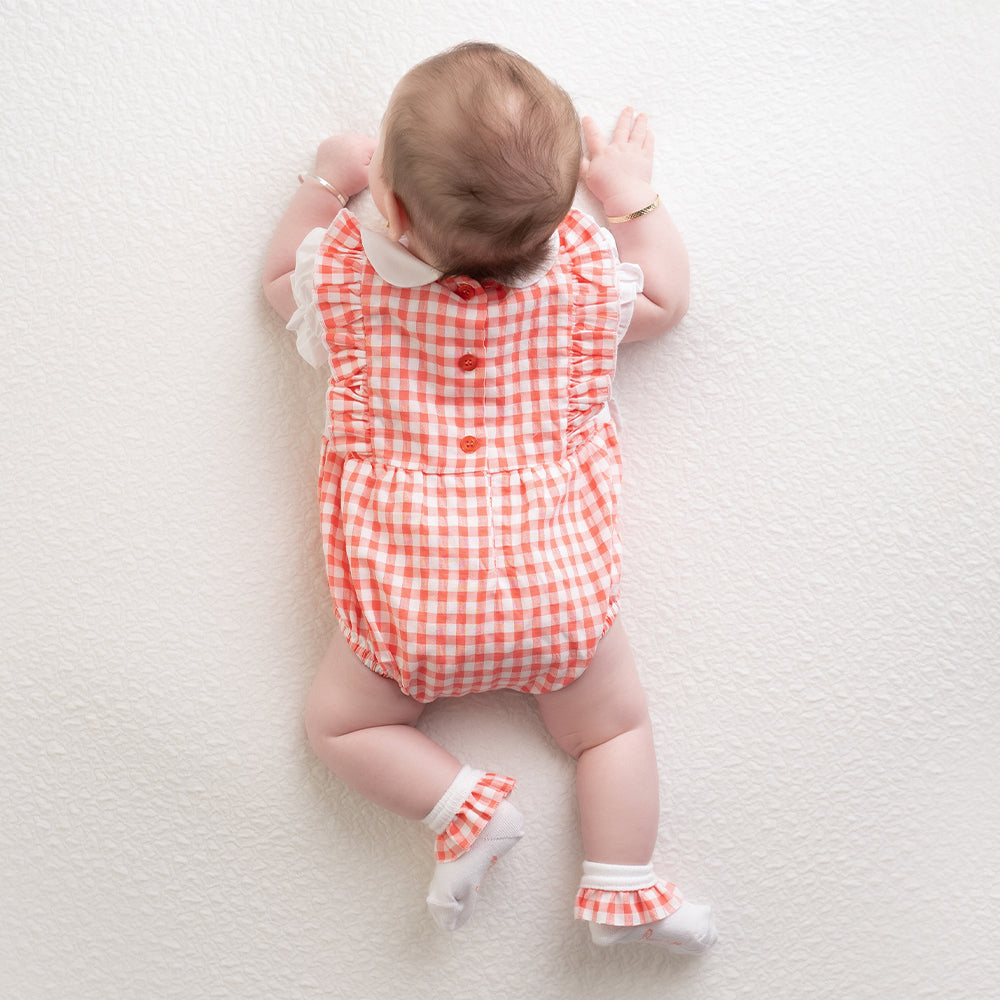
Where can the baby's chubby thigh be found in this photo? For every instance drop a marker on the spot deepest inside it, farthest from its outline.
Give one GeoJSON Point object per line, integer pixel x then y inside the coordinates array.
{"type": "Point", "coordinates": [363, 727]}
{"type": "Point", "coordinates": [347, 696]}
{"type": "Point", "coordinates": [606, 700]}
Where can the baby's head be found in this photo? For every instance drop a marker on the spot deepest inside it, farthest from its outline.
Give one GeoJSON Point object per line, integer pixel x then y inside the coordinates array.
{"type": "Point", "coordinates": [483, 152]}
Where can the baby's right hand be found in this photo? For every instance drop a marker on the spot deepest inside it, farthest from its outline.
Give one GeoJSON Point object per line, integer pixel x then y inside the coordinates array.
{"type": "Point", "coordinates": [618, 172]}
{"type": "Point", "coordinates": [343, 160]}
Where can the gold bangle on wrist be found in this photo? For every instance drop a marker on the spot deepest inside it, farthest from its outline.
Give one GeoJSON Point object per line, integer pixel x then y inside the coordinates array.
{"type": "Point", "coordinates": [319, 180]}
{"type": "Point", "coordinates": [635, 215]}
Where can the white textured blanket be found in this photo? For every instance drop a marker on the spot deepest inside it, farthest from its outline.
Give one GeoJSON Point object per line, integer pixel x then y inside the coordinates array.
{"type": "Point", "coordinates": [812, 513]}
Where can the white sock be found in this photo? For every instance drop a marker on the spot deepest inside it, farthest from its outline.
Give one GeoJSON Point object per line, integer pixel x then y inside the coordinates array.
{"type": "Point", "coordinates": [689, 929]}
{"type": "Point", "coordinates": [452, 894]}
{"type": "Point", "coordinates": [453, 799]}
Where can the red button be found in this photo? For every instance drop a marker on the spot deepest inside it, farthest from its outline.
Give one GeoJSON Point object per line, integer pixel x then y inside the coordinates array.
{"type": "Point", "coordinates": [468, 362]}
{"type": "Point", "coordinates": [465, 291]}
{"type": "Point", "coordinates": [469, 444]}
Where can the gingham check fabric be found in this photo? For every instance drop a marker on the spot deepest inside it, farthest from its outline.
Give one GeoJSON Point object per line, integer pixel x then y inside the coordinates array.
{"type": "Point", "coordinates": [471, 473]}
{"type": "Point", "coordinates": [470, 821]}
{"type": "Point", "coordinates": [628, 907]}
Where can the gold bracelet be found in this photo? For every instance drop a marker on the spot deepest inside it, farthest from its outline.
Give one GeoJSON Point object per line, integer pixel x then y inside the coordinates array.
{"type": "Point", "coordinates": [635, 215]}
{"type": "Point", "coordinates": [326, 184]}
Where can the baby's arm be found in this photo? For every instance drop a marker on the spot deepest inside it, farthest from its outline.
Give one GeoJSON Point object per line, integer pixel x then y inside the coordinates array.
{"type": "Point", "coordinates": [342, 161]}
{"type": "Point", "coordinates": [618, 173]}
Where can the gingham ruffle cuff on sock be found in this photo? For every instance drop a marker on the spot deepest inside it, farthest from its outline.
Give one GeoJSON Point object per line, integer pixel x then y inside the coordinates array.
{"type": "Point", "coordinates": [624, 896]}
{"type": "Point", "coordinates": [473, 815]}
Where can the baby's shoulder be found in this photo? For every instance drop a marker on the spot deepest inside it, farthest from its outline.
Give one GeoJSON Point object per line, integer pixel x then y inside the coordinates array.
{"type": "Point", "coordinates": [340, 256]}
{"type": "Point", "coordinates": [586, 246]}
{"type": "Point", "coordinates": [343, 235]}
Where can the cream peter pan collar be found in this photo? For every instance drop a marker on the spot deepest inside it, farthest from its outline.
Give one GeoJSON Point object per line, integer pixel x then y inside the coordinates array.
{"type": "Point", "coordinates": [394, 263]}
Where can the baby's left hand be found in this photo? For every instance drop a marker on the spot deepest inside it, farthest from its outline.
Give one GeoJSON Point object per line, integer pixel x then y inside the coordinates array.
{"type": "Point", "coordinates": [343, 160]}
{"type": "Point", "coordinates": [622, 167]}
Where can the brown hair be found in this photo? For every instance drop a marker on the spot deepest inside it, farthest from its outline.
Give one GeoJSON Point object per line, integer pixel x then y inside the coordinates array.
{"type": "Point", "coordinates": [483, 151]}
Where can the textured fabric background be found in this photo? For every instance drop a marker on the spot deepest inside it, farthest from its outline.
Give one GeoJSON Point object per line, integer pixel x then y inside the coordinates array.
{"type": "Point", "coordinates": [812, 521]}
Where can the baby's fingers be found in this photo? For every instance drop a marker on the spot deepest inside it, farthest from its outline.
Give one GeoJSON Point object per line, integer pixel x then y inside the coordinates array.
{"type": "Point", "coordinates": [592, 136]}
{"type": "Point", "coordinates": [623, 128]}
{"type": "Point", "coordinates": [640, 129]}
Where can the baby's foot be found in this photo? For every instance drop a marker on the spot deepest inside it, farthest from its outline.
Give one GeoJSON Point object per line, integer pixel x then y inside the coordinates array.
{"type": "Point", "coordinates": [689, 929]}
{"type": "Point", "coordinates": [452, 895]}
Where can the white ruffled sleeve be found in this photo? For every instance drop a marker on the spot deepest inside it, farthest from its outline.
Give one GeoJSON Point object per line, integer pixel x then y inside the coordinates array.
{"type": "Point", "coordinates": [306, 322]}
{"type": "Point", "coordinates": [630, 282]}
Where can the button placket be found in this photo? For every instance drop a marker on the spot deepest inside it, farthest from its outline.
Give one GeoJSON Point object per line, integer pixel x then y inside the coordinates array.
{"type": "Point", "coordinates": [469, 361]}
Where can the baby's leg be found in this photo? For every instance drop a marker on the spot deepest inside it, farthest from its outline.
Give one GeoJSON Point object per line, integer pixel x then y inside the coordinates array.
{"type": "Point", "coordinates": [602, 720]}
{"type": "Point", "coordinates": [362, 726]}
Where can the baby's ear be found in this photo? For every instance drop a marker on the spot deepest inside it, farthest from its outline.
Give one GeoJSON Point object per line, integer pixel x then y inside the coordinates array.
{"type": "Point", "coordinates": [398, 217]}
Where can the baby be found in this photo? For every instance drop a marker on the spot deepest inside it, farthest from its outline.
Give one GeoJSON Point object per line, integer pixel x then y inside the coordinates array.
{"type": "Point", "coordinates": [470, 477]}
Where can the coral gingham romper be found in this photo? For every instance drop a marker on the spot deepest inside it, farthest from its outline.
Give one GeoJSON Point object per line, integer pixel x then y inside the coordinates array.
{"type": "Point", "coordinates": [470, 474]}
